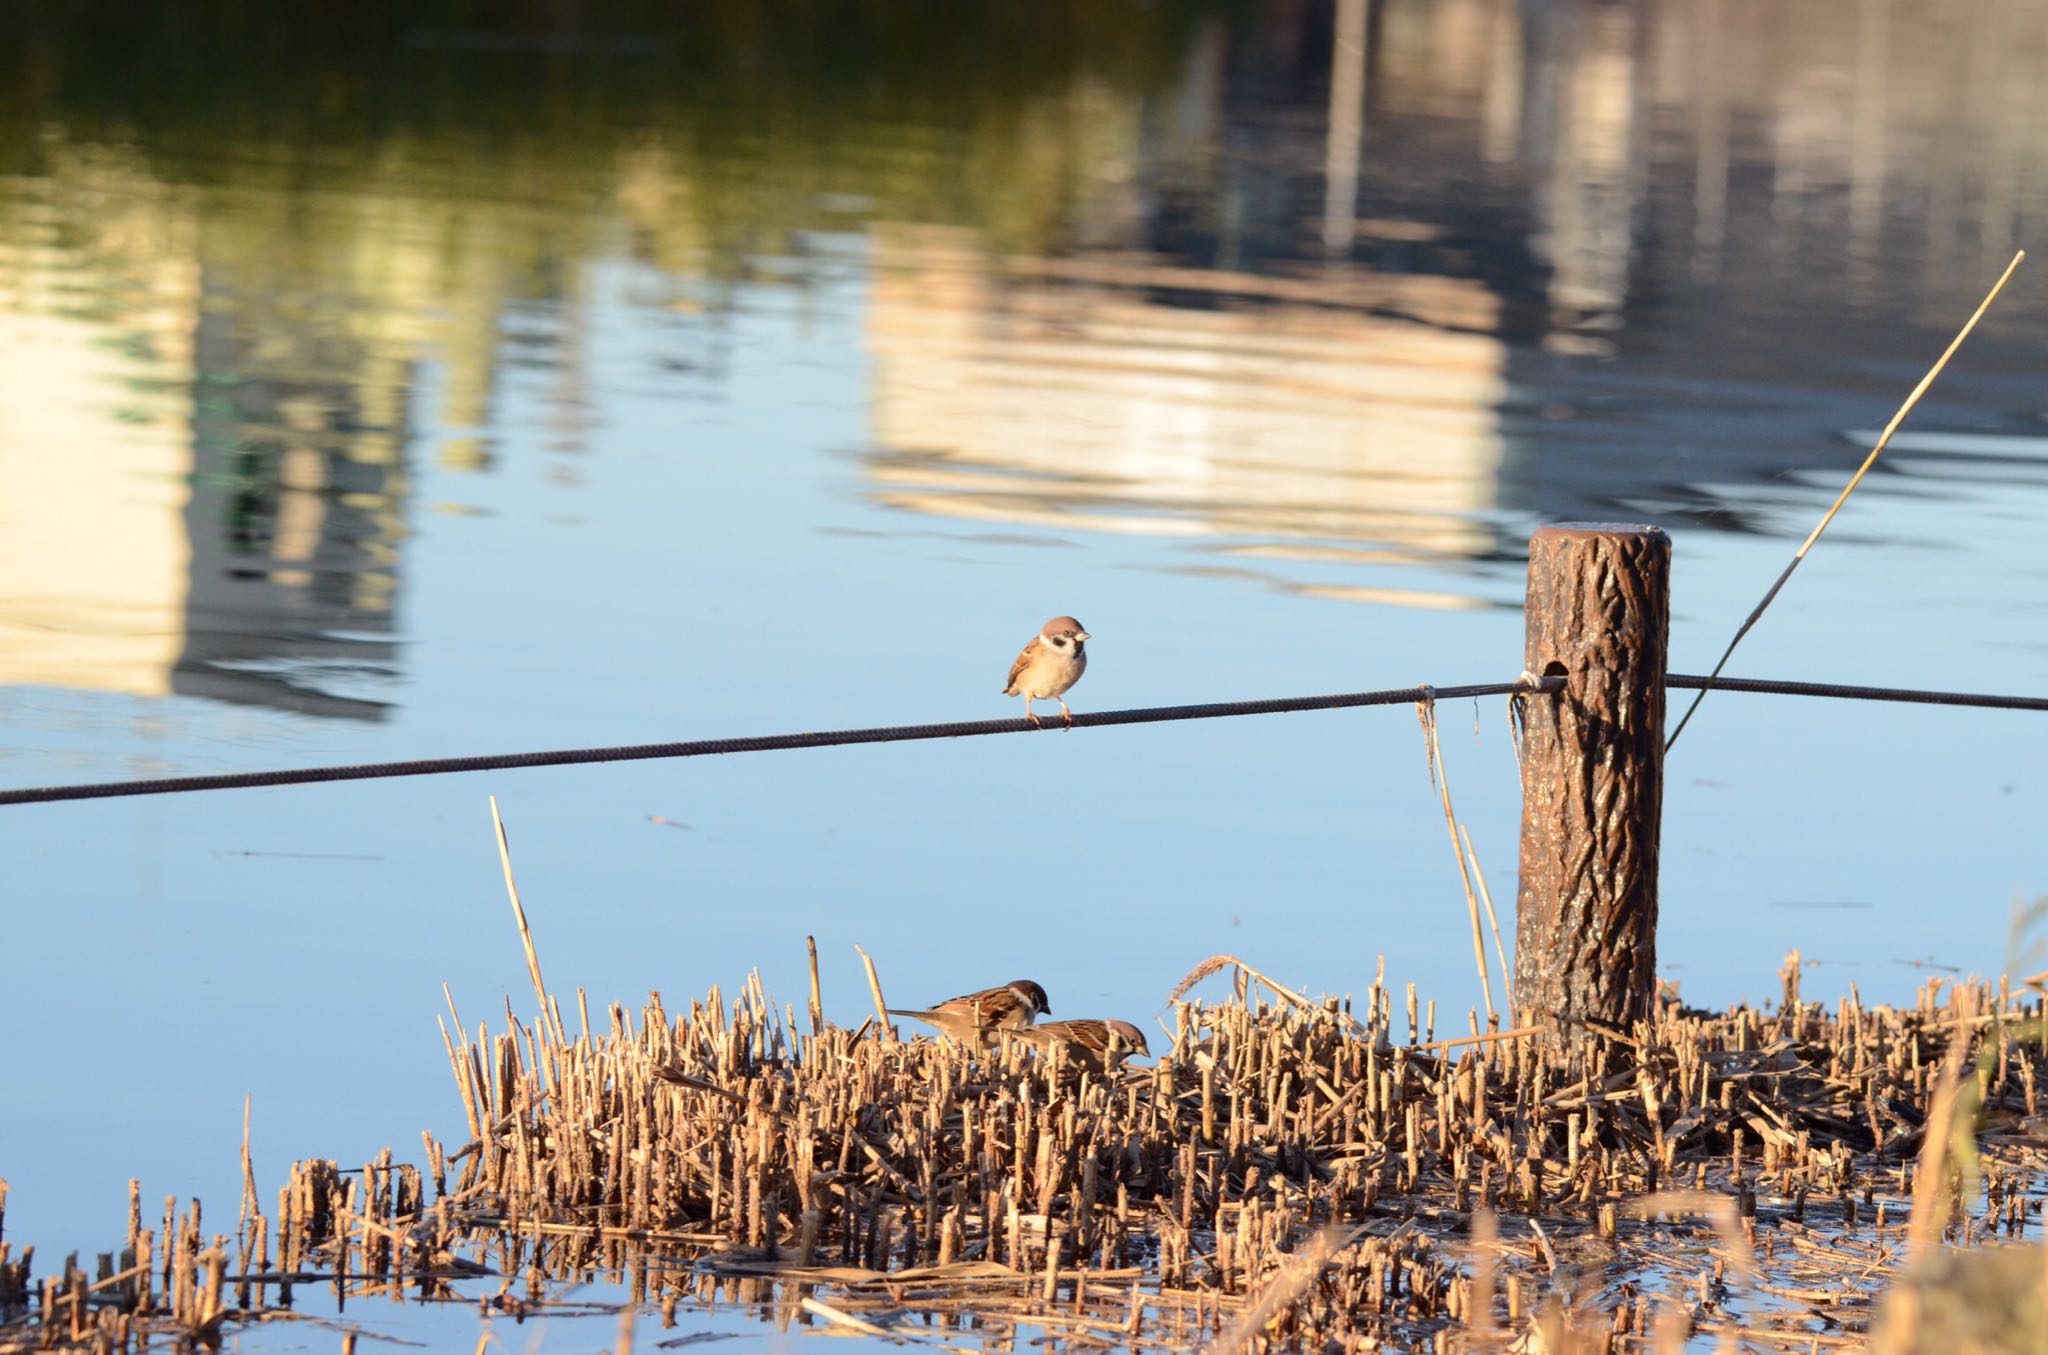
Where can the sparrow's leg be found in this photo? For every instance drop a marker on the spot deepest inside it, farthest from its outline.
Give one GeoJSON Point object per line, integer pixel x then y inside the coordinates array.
{"type": "Point", "coordinates": [1036, 723]}
{"type": "Point", "coordinates": [1065, 714]}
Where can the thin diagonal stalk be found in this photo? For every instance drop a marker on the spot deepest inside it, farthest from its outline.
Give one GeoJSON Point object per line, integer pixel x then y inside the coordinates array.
{"type": "Point", "coordinates": [1883, 439]}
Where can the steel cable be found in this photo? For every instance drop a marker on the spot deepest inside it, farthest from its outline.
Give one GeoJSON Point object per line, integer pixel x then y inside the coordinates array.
{"type": "Point", "coordinates": [1840, 691]}
{"type": "Point", "coordinates": [104, 790]}
{"type": "Point", "coordinates": [763, 743]}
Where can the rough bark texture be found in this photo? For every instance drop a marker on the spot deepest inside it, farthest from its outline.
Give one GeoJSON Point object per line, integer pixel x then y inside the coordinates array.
{"type": "Point", "coordinates": [1599, 612]}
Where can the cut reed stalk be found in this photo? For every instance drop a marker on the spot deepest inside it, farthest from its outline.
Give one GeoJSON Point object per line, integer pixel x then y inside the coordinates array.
{"type": "Point", "coordinates": [1298, 1181]}
{"type": "Point", "coordinates": [875, 991]}
{"type": "Point", "coordinates": [540, 989]}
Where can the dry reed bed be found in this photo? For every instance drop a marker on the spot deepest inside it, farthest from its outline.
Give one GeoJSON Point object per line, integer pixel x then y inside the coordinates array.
{"type": "Point", "coordinates": [1286, 1170]}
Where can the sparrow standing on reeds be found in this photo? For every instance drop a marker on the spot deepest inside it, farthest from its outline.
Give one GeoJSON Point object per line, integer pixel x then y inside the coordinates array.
{"type": "Point", "coordinates": [1051, 663]}
{"type": "Point", "coordinates": [1097, 1045]}
{"type": "Point", "coordinates": [1013, 1006]}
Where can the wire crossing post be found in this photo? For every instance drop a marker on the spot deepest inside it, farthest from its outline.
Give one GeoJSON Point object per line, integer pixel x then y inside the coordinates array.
{"type": "Point", "coordinates": [1599, 613]}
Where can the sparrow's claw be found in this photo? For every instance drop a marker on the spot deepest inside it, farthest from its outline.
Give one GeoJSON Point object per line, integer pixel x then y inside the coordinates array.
{"type": "Point", "coordinates": [1036, 722]}
{"type": "Point", "coordinates": [1066, 715]}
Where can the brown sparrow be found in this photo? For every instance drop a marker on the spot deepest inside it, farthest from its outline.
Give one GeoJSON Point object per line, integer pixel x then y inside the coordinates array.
{"type": "Point", "coordinates": [1096, 1045]}
{"type": "Point", "coordinates": [1013, 1006]}
{"type": "Point", "coordinates": [1051, 663]}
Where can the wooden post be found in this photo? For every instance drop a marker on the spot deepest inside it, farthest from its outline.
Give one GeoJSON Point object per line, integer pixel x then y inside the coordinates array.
{"type": "Point", "coordinates": [1599, 612]}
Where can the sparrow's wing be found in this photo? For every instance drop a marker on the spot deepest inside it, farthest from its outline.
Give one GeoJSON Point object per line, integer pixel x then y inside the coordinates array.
{"type": "Point", "coordinates": [967, 1005]}
{"type": "Point", "coordinates": [993, 1005]}
{"type": "Point", "coordinates": [1023, 661]}
{"type": "Point", "coordinates": [1089, 1034]}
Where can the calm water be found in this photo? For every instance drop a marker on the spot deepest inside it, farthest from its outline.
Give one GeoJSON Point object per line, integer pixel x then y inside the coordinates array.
{"type": "Point", "coordinates": [477, 391]}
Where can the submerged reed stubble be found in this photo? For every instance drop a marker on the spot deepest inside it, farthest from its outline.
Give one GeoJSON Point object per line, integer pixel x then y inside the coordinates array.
{"type": "Point", "coordinates": [1744, 1171]}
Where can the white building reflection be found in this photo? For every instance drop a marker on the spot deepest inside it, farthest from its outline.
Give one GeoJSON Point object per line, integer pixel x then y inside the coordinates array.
{"type": "Point", "coordinates": [94, 560]}
{"type": "Point", "coordinates": [199, 476]}
{"type": "Point", "coordinates": [1306, 301]}
{"type": "Point", "coordinates": [1316, 419]}
{"type": "Point", "coordinates": [207, 412]}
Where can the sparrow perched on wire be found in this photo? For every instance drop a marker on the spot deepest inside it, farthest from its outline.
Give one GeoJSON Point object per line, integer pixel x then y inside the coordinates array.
{"type": "Point", "coordinates": [1096, 1045]}
{"type": "Point", "coordinates": [1013, 1006]}
{"type": "Point", "coordinates": [1051, 663]}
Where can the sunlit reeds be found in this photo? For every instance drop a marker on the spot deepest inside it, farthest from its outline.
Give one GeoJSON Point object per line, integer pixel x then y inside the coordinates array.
{"type": "Point", "coordinates": [1290, 1171]}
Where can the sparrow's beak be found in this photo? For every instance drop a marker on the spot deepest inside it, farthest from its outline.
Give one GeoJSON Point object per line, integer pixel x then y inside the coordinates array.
{"type": "Point", "coordinates": [1081, 635]}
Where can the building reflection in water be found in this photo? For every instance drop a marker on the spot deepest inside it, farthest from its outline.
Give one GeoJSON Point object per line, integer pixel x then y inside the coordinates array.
{"type": "Point", "coordinates": [97, 315]}
{"type": "Point", "coordinates": [1323, 289]}
{"type": "Point", "coordinates": [204, 475]}
{"type": "Point", "coordinates": [1287, 419]}
{"type": "Point", "coordinates": [295, 514]}
{"type": "Point", "coordinates": [1422, 230]}
{"type": "Point", "coordinates": [208, 422]}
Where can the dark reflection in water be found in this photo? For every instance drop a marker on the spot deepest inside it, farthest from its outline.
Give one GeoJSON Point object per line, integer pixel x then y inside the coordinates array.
{"type": "Point", "coordinates": [1324, 290]}
{"type": "Point", "coordinates": [296, 514]}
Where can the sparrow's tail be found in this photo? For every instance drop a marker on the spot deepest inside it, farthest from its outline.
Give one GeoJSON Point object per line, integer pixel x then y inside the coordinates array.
{"type": "Point", "coordinates": [898, 1011]}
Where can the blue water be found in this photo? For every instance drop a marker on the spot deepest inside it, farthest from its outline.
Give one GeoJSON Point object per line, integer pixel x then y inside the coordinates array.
{"type": "Point", "coordinates": [457, 434]}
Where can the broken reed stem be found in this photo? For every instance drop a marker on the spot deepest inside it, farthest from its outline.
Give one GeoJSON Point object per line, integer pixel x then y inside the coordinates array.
{"type": "Point", "coordinates": [1216, 963]}
{"type": "Point", "coordinates": [1290, 1280]}
{"type": "Point", "coordinates": [625, 1344]}
{"type": "Point", "coordinates": [548, 1017]}
{"type": "Point", "coordinates": [817, 996]}
{"type": "Point", "coordinates": [1283, 1181]}
{"type": "Point", "coordinates": [1490, 1037]}
{"type": "Point", "coordinates": [1968, 1022]}
{"type": "Point", "coordinates": [819, 1308]}
{"type": "Point", "coordinates": [1883, 439]}
{"type": "Point", "coordinates": [1931, 1198]}
{"type": "Point", "coordinates": [1500, 953]}
{"type": "Point", "coordinates": [1485, 1253]}
{"type": "Point", "coordinates": [251, 1203]}
{"type": "Point", "coordinates": [875, 988]}
{"type": "Point", "coordinates": [1440, 781]}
